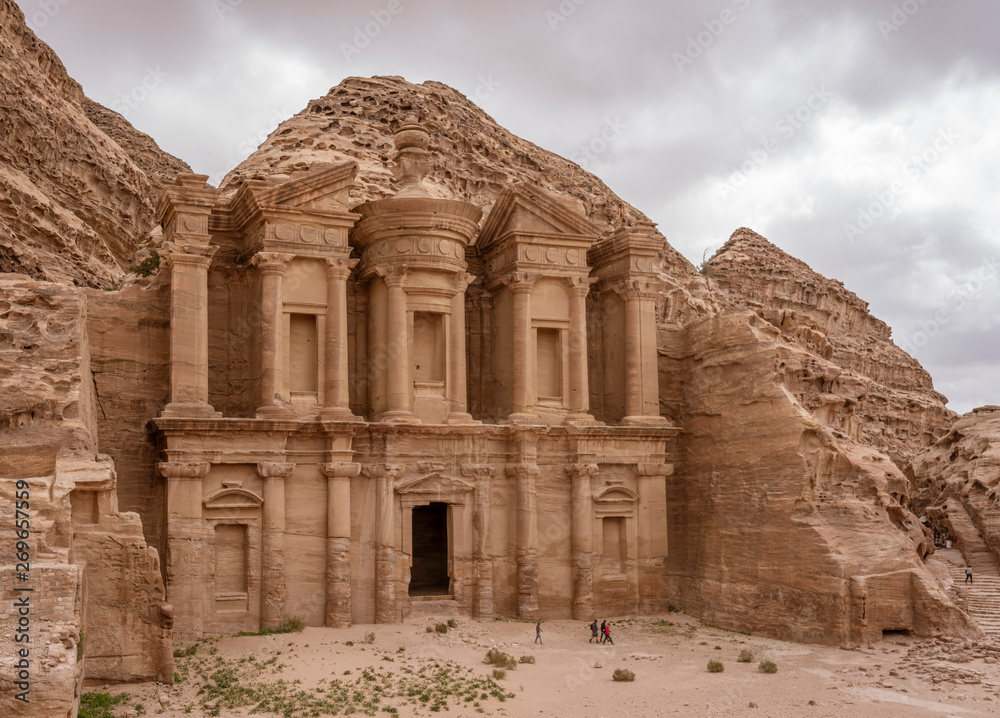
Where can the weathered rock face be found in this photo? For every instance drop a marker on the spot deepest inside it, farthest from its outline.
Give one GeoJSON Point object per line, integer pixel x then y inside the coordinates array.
{"type": "Point", "coordinates": [74, 203]}
{"type": "Point", "coordinates": [77, 542]}
{"type": "Point", "coordinates": [775, 512]}
{"type": "Point", "coordinates": [963, 467]}
{"type": "Point", "coordinates": [851, 377]}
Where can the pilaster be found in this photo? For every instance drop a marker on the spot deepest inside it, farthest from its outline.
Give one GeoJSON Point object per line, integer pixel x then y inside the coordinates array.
{"type": "Point", "coordinates": [273, 542]}
{"type": "Point", "coordinates": [582, 540]}
{"type": "Point", "coordinates": [384, 476]}
{"type": "Point", "coordinates": [338, 542]}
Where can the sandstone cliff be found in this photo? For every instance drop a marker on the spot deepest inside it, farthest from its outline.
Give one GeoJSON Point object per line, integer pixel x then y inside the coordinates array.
{"type": "Point", "coordinates": [75, 203]}
{"type": "Point", "coordinates": [851, 377]}
{"type": "Point", "coordinates": [78, 542]}
{"type": "Point", "coordinates": [963, 467]}
{"type": "Point", "coordinates": [773, 512]}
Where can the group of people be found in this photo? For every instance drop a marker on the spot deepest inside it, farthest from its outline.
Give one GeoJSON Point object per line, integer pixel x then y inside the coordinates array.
{"type": "Point", "coordinates": [604, 635]}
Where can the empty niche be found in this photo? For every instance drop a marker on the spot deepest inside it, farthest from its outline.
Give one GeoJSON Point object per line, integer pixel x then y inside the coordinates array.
{"type": "Point", "coordinates": [304, 353]}
{"type": "Point", "coordinates": [549, 363]}
{"type": "Point", "coordinates": [614, 543]}
{"type": "Point", "coordinates": [428, 347]}
{"type": "Point", "coordinates": [231, 562]}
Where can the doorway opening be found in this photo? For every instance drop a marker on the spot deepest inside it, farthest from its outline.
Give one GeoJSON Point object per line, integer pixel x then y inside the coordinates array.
{"type": "Point", "coordinates": [429, 574]}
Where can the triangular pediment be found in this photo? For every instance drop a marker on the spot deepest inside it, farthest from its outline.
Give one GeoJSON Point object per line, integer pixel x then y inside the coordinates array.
{"type": "Point", "coordinates": [323, 188]}
{"type": "Point", "coordinates": [434, 485]}
{"type": "Point", "coordinates": [528, 210]}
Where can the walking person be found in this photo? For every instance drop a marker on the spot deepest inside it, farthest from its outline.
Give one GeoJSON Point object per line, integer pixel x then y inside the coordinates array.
{"type": "Point", "coordinates": [604, 626]}
{"type": "Point", "coordinates": [593, 632]}
{"type": "Point", "coordinates": [538, 633]}
{"type": "Point", "coordinates": [968, 574]}
{"type": "Point", "coordinates": [607, 634]}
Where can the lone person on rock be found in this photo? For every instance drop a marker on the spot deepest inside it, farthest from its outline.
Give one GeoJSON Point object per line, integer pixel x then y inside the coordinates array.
{"type": "Point", "coordinates": [968, 574]}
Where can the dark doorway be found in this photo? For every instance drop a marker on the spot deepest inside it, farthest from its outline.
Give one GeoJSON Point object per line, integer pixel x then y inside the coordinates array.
{"type": "Point", "coordinates": [429, 574]}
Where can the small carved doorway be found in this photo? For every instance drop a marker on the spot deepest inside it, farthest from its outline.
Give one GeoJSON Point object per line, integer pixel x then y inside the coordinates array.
{"type": "Point", "coordinates": [429, 571]}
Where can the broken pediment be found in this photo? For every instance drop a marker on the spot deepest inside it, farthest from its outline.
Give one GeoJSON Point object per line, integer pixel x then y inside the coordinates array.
{"type": "Point", "coordinates": [324, 187]}
{"type": "Point", "coordinates": [521, 209]}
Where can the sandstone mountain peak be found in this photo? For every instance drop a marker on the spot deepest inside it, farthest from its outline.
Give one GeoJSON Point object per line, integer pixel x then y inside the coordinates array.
{"type": "Point", "coordinates": [475, 158]}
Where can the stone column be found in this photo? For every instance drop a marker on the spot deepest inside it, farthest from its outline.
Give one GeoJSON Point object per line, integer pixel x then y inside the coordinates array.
{"type": "Point", "coordinates": [272, 382]}
{"type": "Point", "coordinates": [399, 386]}
{"type": "Point", "coordinates": [384, 476]}
{"type": "Point", "coordinates": [527, 539]}
{"type": "Point", "coordinates": [185, 541]}
{"type": "Point", "coordinates": [482, 548]}
{"type": "Point", "coordinates": [189, 330]}
{"type": "Point", "coordinates": [272, 592]}
{"type": "Point", "coordinates": [338, 542]}
{"type": "Point", "coordinates": [520, 287]}
{"type": "Point", "coordinates": [582, 541]}
{"type": "Point", "coordinates": [651, 482]}
{"type": "Point", "coordinates": [642, 387]}
{"type": "Point", "coordinates": [336, 395]}
{"type": "Point", "coordinates": [457, 387]}
{"type": "Point", "coordinates": [579, 385]}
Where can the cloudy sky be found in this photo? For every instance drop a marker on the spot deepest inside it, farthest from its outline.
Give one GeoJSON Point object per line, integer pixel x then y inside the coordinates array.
{"type": "Point", "coordinates": [862, 136]}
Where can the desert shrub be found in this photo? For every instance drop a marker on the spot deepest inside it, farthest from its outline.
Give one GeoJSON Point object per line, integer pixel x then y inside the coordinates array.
{"type": "Point", "coordinates": [452, 623]}
{"type": "Point", "coordinates": [623, 675]}
{"type": "Point", "coordinates": [767, 667]}
{"type": "Point", "coordinates": [441, 628]}
{"type": "Point", "coordinates": [526, 659]}
{"type": "Point", "coordinates": [147, 266]}
{"type": "Point", "coordinates": [718, 648]}
{"type": "Point", "coordinates": [715, 667]}
{"type": "Point", "coordinates": [746, 656]}
{"type": "Point", "coordinates": [369, 637]}
{"type": "Point", "coordinates": [499, 674]}
{"type": "Point", "coordinates": [99, 705]}
{"type": "Point", "coordinates": [429, 629]}
{"type": "Point", "coordinates": [500, 659]}
{"type": "Point", "coordinates": [186, 652]}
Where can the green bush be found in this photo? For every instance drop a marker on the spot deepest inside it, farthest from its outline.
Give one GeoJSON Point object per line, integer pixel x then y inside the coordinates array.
{"type": "Point", "coordinates": [186, 652]}
{"type": "Point", "coordinates": [369, 637]}
{"type": "Point", "coordinates": [526, 659]}
{"type": "Point", "coordinates": [147, 266]}
{"type": "Point", "coordinates": [500, 659]}
{"type": "Point", "coordinates": [499, 674]}
{"type": "Point", "coordinates": [623, 675]}
{"type": "Point", "coordinates": [441, 628]}
{"type": "Point", "coordinates": [452, 623]}
{"type": "Point", "coordinates": [767, 667]}
{"type": "Point", "coordinates": [99, 705]}
{"type": "Point", "coordinates": [289, 625]}
{"type": "Point", "coordinates": [429, 629]}
{"type": "Point", "coordinates": [715, 667]}
{"type": "Point", "coordinates": [746, 656]}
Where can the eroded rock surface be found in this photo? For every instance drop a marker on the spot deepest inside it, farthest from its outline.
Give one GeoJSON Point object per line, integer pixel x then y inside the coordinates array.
{"type": "Point", "coordinates": [850, 375]}
{"type": "Point", "coordinates": [75, 204]}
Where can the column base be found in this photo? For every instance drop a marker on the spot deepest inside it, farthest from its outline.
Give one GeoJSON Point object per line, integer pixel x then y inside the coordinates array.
{"type": "Point", "coordinates": [645, 421]}
{"type": "Point", "coordinates": [275, 412]}
{"type": "Point", "coordinates": [399, 416]}
{"type": "Point", "coordinates": [524, 418]}
{"type": "Point", "coordinates": [460, 417]}
{"type": "Point", "coordinates": [193, 409]}
{"type": "Point", "coordinates": [580, 418]}
{"type": "Point", "coordinates": [337, 413]}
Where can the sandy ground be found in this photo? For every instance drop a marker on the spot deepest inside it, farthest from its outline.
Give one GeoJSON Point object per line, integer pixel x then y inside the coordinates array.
{"type": "Point", "coordinates": [892, 678]}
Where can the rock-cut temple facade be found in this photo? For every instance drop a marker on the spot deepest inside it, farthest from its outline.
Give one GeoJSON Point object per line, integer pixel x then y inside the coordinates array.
{"type": "Point", "coordinates": [402, 407]}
